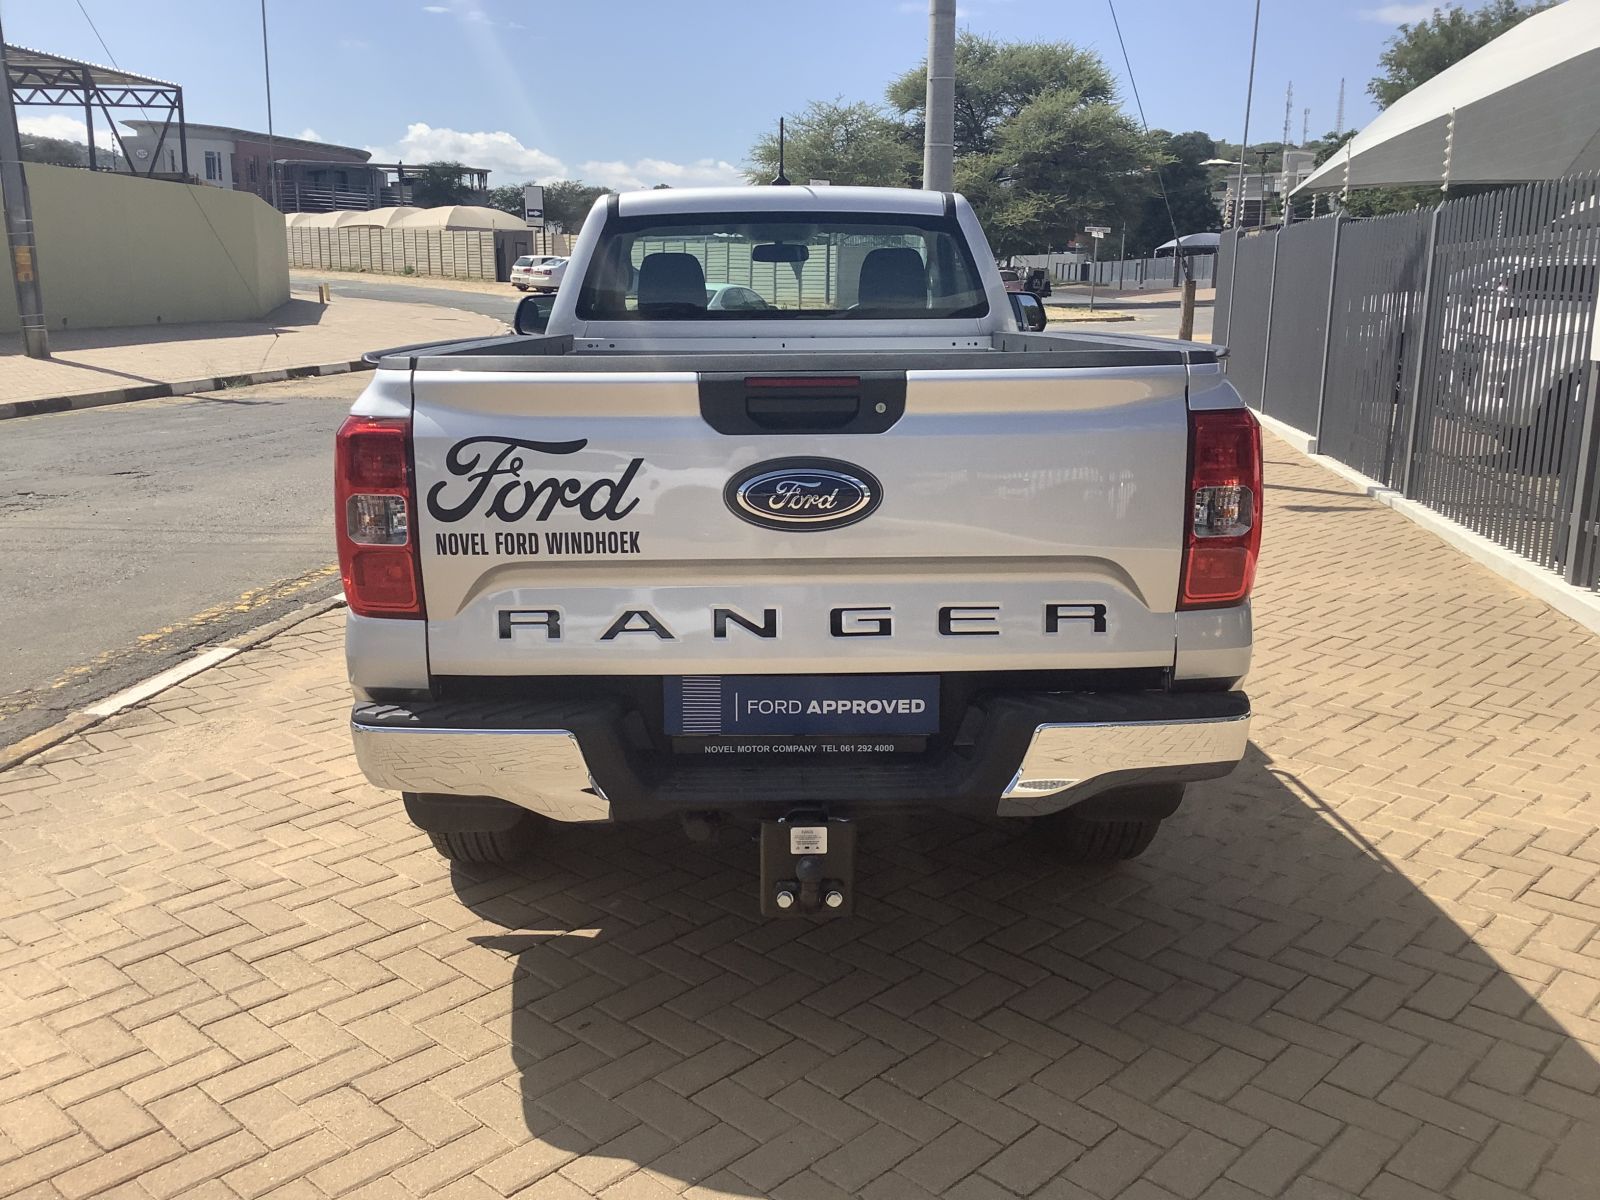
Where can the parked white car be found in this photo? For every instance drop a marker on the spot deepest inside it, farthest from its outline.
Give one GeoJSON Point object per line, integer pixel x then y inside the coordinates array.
{"type": "Point", "coordinates": [734, 297]}
{"type": "Point", "coordinates": [547, 276]}
{"type": "Point", "coordinates": [521, 269]}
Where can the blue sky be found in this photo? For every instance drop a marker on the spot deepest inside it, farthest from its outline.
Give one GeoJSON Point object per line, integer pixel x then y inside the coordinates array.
{"type": "Point", "coordinates": [638, 92]}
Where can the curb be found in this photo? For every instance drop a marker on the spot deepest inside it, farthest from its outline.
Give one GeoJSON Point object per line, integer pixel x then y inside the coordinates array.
{"type": "Point", "coordinates": [184, 387]}
{"type": "Point", "coordinates": [203, 660]}
{"type": "Point", "coordinates": [1581, 605]}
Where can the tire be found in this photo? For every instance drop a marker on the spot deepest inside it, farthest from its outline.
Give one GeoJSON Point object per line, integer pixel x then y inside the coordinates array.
{"type": "Point", "coordinates": [496, 847]}
{"type": "Point", "coordinates": [1074, 839]}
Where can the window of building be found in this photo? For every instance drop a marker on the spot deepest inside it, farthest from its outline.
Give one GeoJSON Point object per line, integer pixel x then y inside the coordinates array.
{"type": "Point", "coordinates": [213, 165]}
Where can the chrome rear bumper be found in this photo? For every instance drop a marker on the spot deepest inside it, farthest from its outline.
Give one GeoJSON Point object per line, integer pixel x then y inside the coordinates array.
{"type": "Point", "coordinates": [541, 770]}
{"type": "Point", "coordinates": [1069, 762]}
{"type": "Point", "coordinates": [542, 765]}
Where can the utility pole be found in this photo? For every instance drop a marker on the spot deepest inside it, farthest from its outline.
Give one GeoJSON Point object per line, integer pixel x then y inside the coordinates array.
{"type": "Point", "coordinates": [23, 253]}
{"type": "Point", "coordinates": [1244, 144]}
{"type": "Point", "coordinates": [272, 153]}
{"type": "Point", "coordinates": [939, 110]}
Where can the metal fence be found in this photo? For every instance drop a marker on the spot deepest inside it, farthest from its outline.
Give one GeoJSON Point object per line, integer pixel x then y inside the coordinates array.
{"type": "Point", "coordinates": [1126, 274]}
{"type": "Point", "coordinates": [453, 253]}
{"type": "Point", "coordinates": [1447, 353]}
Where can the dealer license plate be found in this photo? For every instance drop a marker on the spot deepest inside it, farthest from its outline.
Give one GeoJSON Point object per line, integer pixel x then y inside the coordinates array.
{"type": "Point", "coordinates": [801, 705]}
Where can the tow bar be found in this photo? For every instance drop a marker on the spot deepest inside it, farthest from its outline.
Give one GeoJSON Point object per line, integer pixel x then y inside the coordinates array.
{"type": "Point", "coordinates": [808, 866]}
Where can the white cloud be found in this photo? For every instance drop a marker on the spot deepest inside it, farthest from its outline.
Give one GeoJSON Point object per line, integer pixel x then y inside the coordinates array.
{"type": "Point", "coordinates": [511, 162]}
{"type": "Point", "coordinates": [501, 153]}
{"type": "Point", "coordinates": [1399, 14]}
{"type": "Point", "coordinates": [56, 125]}
{"type": "Point", "coordinates": [647, 172]}
{"type": "Point", "coordinates": [309, 135]}
{"type": "Point", "coordinates": [435, 8]}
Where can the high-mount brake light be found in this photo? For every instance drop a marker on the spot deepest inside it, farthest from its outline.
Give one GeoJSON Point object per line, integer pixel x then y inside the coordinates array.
{"type": "Point", "coordinates": [1222, 529]}
{"type": "Point", "coordinates": [375, 498]}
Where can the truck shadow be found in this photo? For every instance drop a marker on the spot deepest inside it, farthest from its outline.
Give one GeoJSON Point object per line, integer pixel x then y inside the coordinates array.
{"type": "Point", "coordinates": [1262, 976]}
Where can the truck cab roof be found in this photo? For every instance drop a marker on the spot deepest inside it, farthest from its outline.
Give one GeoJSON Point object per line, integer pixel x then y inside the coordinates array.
{"type": "Point", "coordinates": [794, 198]}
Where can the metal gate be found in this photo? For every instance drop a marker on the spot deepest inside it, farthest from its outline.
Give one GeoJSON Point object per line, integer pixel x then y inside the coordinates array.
{"type": "Point", "coordinates": [1377, 290]}
{"type": "Point", "coordinates": [1503, 384]}
{"type": "Point", "coordinates": [1297, 328]}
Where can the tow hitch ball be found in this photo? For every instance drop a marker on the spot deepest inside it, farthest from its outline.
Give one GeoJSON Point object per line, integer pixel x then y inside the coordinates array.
{"type": "Point", "coordinates": [808, 867]}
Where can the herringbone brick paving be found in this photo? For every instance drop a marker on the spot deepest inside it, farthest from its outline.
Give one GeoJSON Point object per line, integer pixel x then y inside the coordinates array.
{"type": "Point", "coordinates": [1366, 965]}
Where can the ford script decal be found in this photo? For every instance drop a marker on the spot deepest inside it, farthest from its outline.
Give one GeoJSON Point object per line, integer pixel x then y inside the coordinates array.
{"type": "Point", "coordinates": [499, 478]}
{"type": "Point", "coordinates": [803, 493]}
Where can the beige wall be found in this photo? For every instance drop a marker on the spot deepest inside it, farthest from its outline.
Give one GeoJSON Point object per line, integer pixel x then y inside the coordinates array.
{"type": "Point", "coordinates": [120, 250]}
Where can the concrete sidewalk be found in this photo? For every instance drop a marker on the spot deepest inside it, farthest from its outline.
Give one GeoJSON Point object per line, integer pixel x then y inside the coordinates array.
{"type": "Point", "coordinates": [107, 366]}
{"type": "Point", "coordinates": [1068, 296]}
{"type": "Point", "coordinates": [1366, 965]}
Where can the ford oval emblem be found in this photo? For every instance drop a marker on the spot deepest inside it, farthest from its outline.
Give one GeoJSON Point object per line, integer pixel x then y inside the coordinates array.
{"type": "Point", "coordinates": [803, 494]}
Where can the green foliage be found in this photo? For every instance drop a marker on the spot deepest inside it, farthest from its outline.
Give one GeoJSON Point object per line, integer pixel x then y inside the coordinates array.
{"type": "Point", "coordinates": [440, 183]}
{"type": "Point", "coordinates": [846, 144]}
{"type": "Point", "coordinates": [1188, 188]}
{"type": "Point", "coordinates": [566, 201]}
{"type": "Point", "coordinates": [996, 81]}
{"type": "Point", "coordinates": [65, 153]}
{"type": "Point", "coordinates": [1416, 53]}
{"type": "Point", "coordinates": [1041, 146]}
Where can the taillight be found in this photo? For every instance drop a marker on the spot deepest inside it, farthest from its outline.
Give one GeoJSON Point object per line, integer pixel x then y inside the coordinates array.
{"type": "Point", "coordinates": [375, 501]}
{"type": "Point", "coordinates": [1222, 531]}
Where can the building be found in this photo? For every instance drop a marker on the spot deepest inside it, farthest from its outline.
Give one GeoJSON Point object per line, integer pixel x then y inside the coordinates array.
{"type": "Point", "coordinates": [237, 159]}
{"type": "Point", "coordinates": [311, 176]}
{"type": "Point", "coordinates": [1297, 167]}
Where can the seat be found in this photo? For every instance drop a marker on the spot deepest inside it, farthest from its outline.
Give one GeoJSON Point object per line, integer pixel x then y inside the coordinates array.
{"type": "Point", "coordinates": [671, 278]}
{"type": "Point", "coordinates": [893, 277]}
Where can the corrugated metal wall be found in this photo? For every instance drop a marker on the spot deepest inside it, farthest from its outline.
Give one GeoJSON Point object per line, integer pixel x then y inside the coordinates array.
{"type": "Point", "coordinates": [455, 253]}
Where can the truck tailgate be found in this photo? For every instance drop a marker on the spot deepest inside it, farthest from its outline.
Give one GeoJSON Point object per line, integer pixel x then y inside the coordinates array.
{"type": "Point", "coordinates": [589, 523]}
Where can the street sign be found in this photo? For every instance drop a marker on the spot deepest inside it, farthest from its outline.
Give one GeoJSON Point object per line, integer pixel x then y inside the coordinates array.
{"type": "Point", "coordinates": [1097, 229]}
{"type": "Point", "coordinates": [533, 206]}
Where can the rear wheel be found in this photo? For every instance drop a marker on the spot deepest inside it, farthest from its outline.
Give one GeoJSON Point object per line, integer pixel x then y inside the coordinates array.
{"type": "Point", "coordinates": [496, 847]}
{"type": "Point", "coordinates": [1076, 839]}
{"type": "Point", "coordinates": [472, 829]}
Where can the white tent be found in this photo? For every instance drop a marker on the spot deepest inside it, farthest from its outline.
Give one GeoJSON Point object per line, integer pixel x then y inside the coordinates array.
{"type": "Point", "coordinates": [1193, 243]}
{"type": "Point", "coordinates": [1526, 106]}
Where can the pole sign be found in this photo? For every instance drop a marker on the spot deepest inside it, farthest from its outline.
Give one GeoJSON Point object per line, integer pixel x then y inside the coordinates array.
{"type": "Point", "coordinates": [1097, 231]}
{"type": "Point", "coordinates": [533, 206]}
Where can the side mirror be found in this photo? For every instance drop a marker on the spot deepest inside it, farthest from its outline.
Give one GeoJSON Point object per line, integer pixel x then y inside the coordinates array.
{"type": "Point", "coordinates": [533, 314]}
{"type": "Point", "coordinates": [1029, 310]}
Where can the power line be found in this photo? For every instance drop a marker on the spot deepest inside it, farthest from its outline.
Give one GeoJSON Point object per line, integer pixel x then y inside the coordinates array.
{"type": "Point", "coordinates": [97, 36]}
{"type": "Point", "coordinates": [1139, 104]}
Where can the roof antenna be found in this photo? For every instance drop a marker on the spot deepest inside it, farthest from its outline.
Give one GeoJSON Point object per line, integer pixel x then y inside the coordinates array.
{"type": "Point", "coordinates": [780, 179]}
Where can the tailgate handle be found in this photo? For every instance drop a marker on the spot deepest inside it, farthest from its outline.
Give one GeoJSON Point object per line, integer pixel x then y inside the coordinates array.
{"type": "Point", "coordinates": [866, 402]}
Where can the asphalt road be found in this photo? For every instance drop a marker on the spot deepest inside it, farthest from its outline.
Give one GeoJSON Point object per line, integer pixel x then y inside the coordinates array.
{"type": "Point", "coordinates": [502, 307]}
{"type": "Point", "coordinates": [136, 533]}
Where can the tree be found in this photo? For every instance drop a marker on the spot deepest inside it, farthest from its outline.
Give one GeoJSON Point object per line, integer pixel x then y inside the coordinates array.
{"type": "Point", "coordinates": [1418, 52]}
{"type": "Point", "coordinates": [568, 201]}
{"type": "Point", "coordinates": [437, 184]}
{"type": "Point", "coordinates": [1193, 209]}
{"type": "Point", "coordinates": [507, 199]}
{"type": "Point", "coordinates": [842, 143]}
{"type": "Point", "coordinates": [995, 81]}
{"type": "Point", "coordinates": [1058, 165]}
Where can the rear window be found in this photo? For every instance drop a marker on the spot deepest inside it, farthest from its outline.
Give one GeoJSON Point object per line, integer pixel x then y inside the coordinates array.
{"type": "Point", "coordinates": [744, 266]}
{"type": "Point", "coordinates": [524, 261]}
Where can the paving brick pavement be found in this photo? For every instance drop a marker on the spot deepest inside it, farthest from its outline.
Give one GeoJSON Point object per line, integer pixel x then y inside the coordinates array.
{"type": "Point", "coordinates": [300, 333]}
{"type": "Point", "coordinates": [1365, 966]}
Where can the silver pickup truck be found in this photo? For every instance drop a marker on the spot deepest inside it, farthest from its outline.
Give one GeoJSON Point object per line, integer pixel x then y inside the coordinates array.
{"type": "Point", "coordinates": [848, 544]}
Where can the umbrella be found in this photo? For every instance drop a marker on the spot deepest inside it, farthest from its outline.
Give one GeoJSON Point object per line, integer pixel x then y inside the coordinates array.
{"type": "Point", "coordinates": [1523, 107]}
